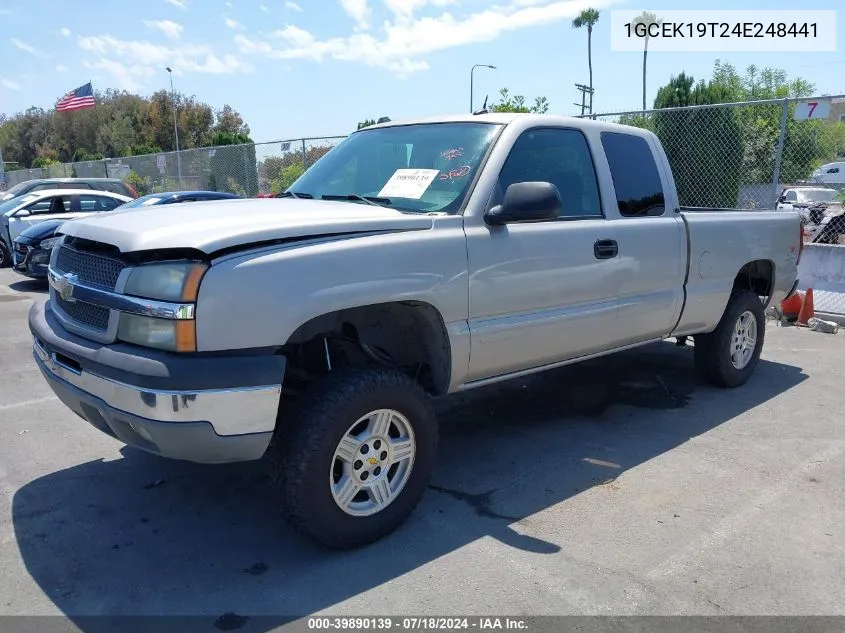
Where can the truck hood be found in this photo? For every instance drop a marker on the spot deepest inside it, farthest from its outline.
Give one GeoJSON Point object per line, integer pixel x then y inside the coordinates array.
{"type": "Point", "coordinates": [212, 226]}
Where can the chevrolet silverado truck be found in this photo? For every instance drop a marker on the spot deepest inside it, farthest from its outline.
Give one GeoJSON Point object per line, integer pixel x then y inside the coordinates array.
{"type": "Point", "coordinates": [413, 261]}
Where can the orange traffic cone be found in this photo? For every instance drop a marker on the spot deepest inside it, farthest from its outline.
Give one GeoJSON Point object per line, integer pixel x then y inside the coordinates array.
{"type": "Point", "coordinates": [791, 307]}
{"type": "Point", "coordinates": [807, 310]}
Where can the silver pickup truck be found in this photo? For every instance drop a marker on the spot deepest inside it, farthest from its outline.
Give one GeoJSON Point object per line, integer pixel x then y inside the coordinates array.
{"type": "Point", "coordinates": [414, 260]}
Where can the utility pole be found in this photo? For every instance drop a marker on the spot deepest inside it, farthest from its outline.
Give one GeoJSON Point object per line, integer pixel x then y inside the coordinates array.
{"type": "Point", "coordinates": [175, 126]}
{"type": "Point", "coordinates": [585, 90]}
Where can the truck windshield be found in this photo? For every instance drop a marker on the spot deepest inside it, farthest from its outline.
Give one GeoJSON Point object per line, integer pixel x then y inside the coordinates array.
{"type": "Point", "coordinates": [421, 168]}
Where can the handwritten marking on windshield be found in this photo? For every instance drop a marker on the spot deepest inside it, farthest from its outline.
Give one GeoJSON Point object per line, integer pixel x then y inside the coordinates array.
{"type": "Point", "coordinates": [455, 173]}
{"type": "Point", "coordinates": [451, 154]}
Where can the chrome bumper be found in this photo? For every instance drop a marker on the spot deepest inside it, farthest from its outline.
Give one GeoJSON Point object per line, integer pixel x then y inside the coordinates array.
{"type": "Point", "coordinates": [229, 411]}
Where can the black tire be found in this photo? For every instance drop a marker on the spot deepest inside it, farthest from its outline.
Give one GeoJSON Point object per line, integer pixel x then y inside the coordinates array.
{"type": "Point", "coordinates": [300, 457]}
{"type": "Point", "coordinates": [713, 351]}
{"type": "Point", "coordinates": [5, 258]}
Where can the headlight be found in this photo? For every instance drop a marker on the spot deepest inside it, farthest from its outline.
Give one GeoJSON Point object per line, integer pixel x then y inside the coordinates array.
{"type": "Point", "coordinates": [174, 281]}
{"type": "Point", "coordinates": [167, 334]}
{"type": "Point", "coordinates": [49, 243]}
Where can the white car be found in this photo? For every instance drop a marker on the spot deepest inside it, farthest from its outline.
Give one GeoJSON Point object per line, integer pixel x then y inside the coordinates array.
{"type": "Point", "coordinates": [830, 174]}
{"type": "Point", "coordinates": [792, 198]}
{"type": "Point", "coordinates": [30, 209]}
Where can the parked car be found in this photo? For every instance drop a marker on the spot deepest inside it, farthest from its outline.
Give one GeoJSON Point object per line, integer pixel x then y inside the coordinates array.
{"type": "Point", "coordinates": [414, 260]}
{"type": "Point", "coordinates": [114, 185]}
{"type": "Point", "coordinates": [31, 252]}
{"type": "Point", "coordinates": [830, 174]}
{"type": "Point", "coordinates": [809, 202]}
{"type": "Point", "coordinates": [175, 197]}
{"type": "Point", "coordinates": [22, 212]}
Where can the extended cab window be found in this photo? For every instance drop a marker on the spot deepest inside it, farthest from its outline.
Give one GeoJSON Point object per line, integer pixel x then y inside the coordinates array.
{"type": "Point", "coordinates": [561, 157]}
{"type": "Point", "coordinates": [639, 192]}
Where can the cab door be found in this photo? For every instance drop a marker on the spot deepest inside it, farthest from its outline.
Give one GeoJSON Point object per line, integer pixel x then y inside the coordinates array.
{"type": "Point", "coordinates": [543, 292]}
{"type": "Point", "coordinates": [45, 208]}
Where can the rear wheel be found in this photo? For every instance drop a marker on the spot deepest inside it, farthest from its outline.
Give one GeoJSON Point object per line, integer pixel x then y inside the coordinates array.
{"type": "Point", "coordinates": [352, 459]}
{"type": "Point", "coordinates": [728, 355]}
{"type": "Point", "coordinates": [5, 259]}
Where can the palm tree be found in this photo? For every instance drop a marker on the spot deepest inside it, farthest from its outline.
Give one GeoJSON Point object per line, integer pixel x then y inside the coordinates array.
{"type": "Point", "coordinates": [588, 18]}
{"type": "Point", "coordinates": [646, 18]}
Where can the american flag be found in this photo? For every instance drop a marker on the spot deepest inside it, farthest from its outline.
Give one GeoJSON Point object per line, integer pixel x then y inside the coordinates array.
{"type": "Point", "coordinates": [82, 97]}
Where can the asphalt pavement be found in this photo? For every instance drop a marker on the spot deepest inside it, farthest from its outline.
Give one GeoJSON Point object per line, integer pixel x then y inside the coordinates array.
{"type": "Point", "coordinates": [620, 486]}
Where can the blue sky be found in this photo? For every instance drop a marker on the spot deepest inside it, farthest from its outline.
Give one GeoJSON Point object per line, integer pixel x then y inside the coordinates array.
{"type": "Point", "coordinates": [316, 67]}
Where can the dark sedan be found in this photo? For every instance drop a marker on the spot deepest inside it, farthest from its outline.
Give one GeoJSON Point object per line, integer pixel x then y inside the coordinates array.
{"type": "Point", "coordinates": [31, 254]}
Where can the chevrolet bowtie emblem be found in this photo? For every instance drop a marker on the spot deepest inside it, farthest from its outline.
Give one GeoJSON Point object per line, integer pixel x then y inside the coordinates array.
{"type": "Point", "coordinates": [64, 286]}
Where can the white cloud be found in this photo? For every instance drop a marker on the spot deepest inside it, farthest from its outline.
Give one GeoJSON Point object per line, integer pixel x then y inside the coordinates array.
{"type": "Point", "coordinates": [65, 32]}
{"type": "Point", "coordinates": [27, 48]}
{"type": "Point", "coordinates": [61, 68]}
{"type": "Point", "coordinates": [11, 85]}
{"type": "Point", "coordinates": [358, 10]}
{"type": "Point", "coordinates": [124, 75]}
{"type": "Point", "coordinates": [177, 3]}
{"type": "Point", "coordinates": [232, 24]}
{"type": "Point", "coordinates": [264, 8]}
{"type": "Point", "coordinates": [171, 30]}
{"type": "Point", "coordinates": [404, 10]}
{"type": "Point", "coordinates": [229, 4]}
{"type": "Point", "coordinates": [292, 6]}
{"type": "Point", "coordinates": [406, 41]}
{"type": "Point", "coordinates": [130, 61]}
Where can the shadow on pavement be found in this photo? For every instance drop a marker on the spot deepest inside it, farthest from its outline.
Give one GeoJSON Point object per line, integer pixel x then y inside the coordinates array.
{"type": "Point", "coordinates": [142, 535]}
{"type": "Point", "coordinates": [29, 285]}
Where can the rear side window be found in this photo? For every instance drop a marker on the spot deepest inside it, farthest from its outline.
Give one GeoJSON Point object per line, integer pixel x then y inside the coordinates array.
{"type": "Point", "coordinates": [114, 187]}
{"type": "Point", "coordinates": [639, 192]}
{"type": "Point", "coordinates": [96, 203]}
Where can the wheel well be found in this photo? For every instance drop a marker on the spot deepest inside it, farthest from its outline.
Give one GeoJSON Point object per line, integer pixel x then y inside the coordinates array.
{"type": "Point", "coordinates": [757, 276]}
{"type": "Point", "coordinates": [407, 335]}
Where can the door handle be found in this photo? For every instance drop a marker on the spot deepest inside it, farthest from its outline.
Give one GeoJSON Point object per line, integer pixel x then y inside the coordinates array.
{"type": "Point", "coordinates": [605, 249]}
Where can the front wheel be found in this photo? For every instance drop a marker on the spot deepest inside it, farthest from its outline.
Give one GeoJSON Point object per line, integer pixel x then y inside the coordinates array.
{"type": "Point", "coordinates": [727, 356]}
{"type": "Point", "coordinates": [354, 457]}
{"type": "Point", "coordinates": [5, 258]}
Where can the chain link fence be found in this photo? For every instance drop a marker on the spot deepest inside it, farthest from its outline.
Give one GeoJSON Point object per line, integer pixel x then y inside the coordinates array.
{"type": "Point", "coordinates": [252, 169]}
{"type": "Point", "coordinates": [742, 155]}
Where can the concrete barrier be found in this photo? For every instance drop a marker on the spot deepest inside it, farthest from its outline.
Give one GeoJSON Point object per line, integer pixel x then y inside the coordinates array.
{"type": "Point", "coordinates": [822, 268]}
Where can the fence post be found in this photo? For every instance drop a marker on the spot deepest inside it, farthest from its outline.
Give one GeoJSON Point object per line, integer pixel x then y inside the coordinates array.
{"type": "Point", "coordinates": [304, 160]}
{"type": "Point", "coordinates": [105, 168]}
{"type": "Point", "coordinates": [779, 154]}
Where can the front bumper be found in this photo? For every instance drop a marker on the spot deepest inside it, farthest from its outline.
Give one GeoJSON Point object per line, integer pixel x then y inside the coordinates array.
{"type": "Point", "coordinates": [208, 408]}
{"type": "Point", "coordinates": [33, 263]}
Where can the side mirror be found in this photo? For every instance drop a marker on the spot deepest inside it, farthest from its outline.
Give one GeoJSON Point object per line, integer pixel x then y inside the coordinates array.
{"type": "Point", "coordinates": [526, 202]}
{"type": "Point", "coordinates": [23, 213]}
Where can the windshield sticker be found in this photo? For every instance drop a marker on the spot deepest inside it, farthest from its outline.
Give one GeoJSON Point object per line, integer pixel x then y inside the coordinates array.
{"type": "Point", "coordinates": [452, 154]}
{"type": "Point", "coordinates": [408, 183]}
{"type": "Point", "coordinates": [460, 172]}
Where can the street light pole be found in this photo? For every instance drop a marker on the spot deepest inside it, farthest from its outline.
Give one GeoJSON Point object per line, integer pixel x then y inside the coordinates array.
{"type": "Point", "coordinates": [472, 70]}
{"type": "Point", "coordinates": [175, 126]}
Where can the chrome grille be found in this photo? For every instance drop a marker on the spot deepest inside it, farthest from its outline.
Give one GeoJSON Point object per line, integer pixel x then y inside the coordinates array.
{"type": "Point", "coordinates": [85, 313]}
{"type": "Point", "coordinates": [89, 268]}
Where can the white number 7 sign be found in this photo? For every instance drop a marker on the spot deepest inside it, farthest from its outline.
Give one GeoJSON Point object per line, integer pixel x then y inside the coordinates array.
{"type": "Point", "coordinates": [815, 109]}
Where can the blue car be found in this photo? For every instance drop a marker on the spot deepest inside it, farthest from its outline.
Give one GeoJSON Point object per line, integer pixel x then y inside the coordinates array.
{"type": "Point", "coordinates": [32, 248]}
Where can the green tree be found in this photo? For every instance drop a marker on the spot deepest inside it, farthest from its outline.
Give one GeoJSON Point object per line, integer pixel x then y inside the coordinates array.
{"type": "Point", "coordinates": [646, 19]}
{"type": "Point", "coordinates": [704, 146]}
{"type": "Point", "coordinates": [588, 18]}
{"type": "Point", "coordinates": [369, 122]}
{"type": "Point", "coordinates": [118, 125]}
{"type": "Point", "coordinates": [516, 103]}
